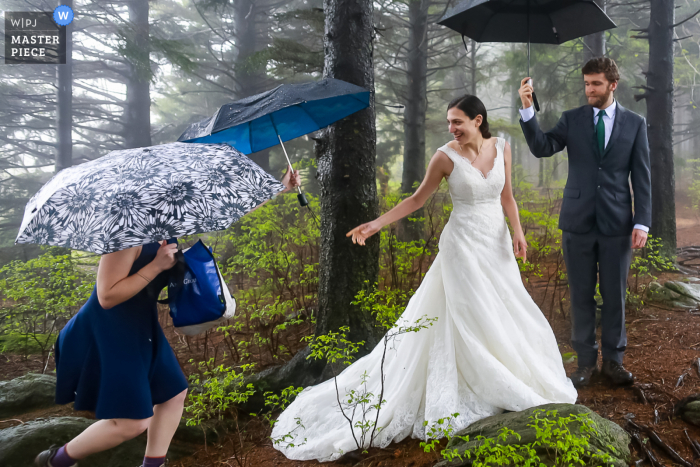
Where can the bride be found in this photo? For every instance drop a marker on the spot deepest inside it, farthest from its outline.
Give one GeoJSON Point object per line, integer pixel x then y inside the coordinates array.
{"type": "Point", "coordinates": [489, 348]}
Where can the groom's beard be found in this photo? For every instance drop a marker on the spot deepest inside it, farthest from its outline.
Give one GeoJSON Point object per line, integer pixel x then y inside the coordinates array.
{"type": "Point", "coordinates": [599, 101]}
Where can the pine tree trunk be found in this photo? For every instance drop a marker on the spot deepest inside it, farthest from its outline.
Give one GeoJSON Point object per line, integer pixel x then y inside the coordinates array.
{"type": "Point", "coordinates": [660, 120]}
{"type": "Point", "coordinates": [137, 114]}
{"type": "Point", "coordinates": [64, 75]}
{"type": "Point", "coordinates": [250, 80]}
{"type": "Point", "coordinates": [472, 61]}
{"type": "Point", "coordinates": [346, 155]}
{"type": "Point", "coordinates": [414, 115]}
{"type": "Point", "coordinates": [594, 44]}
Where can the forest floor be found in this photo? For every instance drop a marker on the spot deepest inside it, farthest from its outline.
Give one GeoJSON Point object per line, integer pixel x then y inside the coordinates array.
{"type": "Point", "coordinates": [662, 345]}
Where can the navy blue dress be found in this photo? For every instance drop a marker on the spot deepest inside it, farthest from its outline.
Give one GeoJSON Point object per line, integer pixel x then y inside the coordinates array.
{"type": "Point", "coordinates": [117, 362]}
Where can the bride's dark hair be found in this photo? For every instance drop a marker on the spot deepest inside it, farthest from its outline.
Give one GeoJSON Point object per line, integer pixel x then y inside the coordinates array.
{"type": "Point", "coordinates": [472, 106]}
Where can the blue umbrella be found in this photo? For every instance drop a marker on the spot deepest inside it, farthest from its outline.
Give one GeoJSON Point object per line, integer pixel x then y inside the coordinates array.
{"type": "Point", "coordinates": [281, 114]}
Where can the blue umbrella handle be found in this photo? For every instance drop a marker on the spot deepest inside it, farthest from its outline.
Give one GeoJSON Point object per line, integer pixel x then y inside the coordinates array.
{"type": "Point", "coordinates": [301, 197]}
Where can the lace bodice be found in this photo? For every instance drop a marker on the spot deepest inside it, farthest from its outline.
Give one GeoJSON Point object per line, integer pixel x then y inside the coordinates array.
{"type": "Point", "coordinates": [468, 185]}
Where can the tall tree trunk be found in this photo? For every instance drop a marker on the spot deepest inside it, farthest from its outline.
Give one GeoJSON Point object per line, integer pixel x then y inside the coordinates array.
{"type": "Point", "coordinates": [137, 114]}
{"type": "Point", "coordinates": [659, 99]}
{"type": "Point", "coordinates": [472, 62]}
{"type": "Point", "coordinates": [346, 166]}
{"type": "Point", "coordinates": [414, 115]}
{"type": "Point", "coordinates": [64, 157]}
{"type": "Point", "coordinates": [249, 79]}
{"type": "Point", "coordinates": [594, 44]}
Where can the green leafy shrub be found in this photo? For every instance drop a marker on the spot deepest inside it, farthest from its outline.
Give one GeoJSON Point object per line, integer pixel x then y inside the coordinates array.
{"type": "Point", "coordinates": [39, 296]}
{"type": "Point", "coordinates": [646, 262]}
{"type": "Point", "coordinates": [217, 392]}
{"type": "Point", "coordinates": [554, 437]}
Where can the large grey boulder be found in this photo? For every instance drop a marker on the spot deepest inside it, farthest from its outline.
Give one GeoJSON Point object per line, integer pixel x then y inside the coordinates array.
{"type": "Point", "coordinates": [689, 409]}
{"type": "Point", "coordinates": [684, 288]}
{"type": "Point", "coordinates": [26, 393]}
{"type": "Point", "coordinates": [606, 433]}
{"type": "Point", "coordinates": [691, 413]}
{"type": "Point", "coordinates": [20, 444]}
{"type": "Point", "coordinates": [208, 432]}
{"type": "Point", "coordinates": [675, 294]}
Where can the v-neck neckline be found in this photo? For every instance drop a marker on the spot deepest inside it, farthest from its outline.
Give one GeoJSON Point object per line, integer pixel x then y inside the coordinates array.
{"type": "Point", "coordinates": [488, 174]}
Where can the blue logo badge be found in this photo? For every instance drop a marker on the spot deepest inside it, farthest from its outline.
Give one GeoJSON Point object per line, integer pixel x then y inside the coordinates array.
{"type": "Point", "coordinates": [63, 15]}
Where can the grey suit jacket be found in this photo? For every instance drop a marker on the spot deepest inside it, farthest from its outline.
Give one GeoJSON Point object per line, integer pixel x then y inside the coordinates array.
{"type": "Point", "coordinates": [597, 189]}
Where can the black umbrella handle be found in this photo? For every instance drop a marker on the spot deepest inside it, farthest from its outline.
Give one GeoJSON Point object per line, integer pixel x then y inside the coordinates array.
{"type": "Point", "coordinates": [534, 101]}
{"type": "Point", "coordinates": [302, 199]}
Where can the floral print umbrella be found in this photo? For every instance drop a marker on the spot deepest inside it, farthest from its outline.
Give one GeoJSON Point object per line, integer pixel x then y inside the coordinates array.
{"type": "Point", "coordinates": [137, 196]}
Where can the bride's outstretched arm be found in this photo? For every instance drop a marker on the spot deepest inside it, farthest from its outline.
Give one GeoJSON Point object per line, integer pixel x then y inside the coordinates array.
{"type": "Point", "coordinates": [511, 209]}
{"type": "Point", "coordinates": [440, 166]}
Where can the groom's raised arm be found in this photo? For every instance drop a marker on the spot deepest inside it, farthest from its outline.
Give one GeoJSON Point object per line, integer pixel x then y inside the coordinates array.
{"type": "Point", "coordinates": [543, 144]}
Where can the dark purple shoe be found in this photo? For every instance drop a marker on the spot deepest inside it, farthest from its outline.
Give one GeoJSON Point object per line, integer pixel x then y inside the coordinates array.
{"type": "Point", "coordinates": [44, 457]}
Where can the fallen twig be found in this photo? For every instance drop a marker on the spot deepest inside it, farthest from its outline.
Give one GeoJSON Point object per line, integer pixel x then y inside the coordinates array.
{"type": "Point", "coordinates": [654, 437]}
{"type": "Point", "coordinates": [665, 308]}
{"type": "Point", "coordinates": [681, 378]}
{"type": "Point", "coordinates": [12, 420]}
{"type": "Point", "coordinates": [646, 450]}
{"type": "Point", "coordinates": [692, 442]}
{"type": "Point", "coordinates": [640, 394]}
{"type": "Point", "coordinates": [642, 319]}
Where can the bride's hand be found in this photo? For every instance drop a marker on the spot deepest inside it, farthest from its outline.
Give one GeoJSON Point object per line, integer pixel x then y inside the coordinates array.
{"type": "Point", "coordinates": [520, 246]}
{"type": "Point", "coordinates": [362, 232]}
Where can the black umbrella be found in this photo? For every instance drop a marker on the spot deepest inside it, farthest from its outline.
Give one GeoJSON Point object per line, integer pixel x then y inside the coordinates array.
{"type": "Point", "coordinates": [280, 114]}
{"type": "Point", "coordinates": [531, 21]}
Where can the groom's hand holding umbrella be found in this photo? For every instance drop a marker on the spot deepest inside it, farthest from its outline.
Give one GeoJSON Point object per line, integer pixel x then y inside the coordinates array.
{"type": "Point", "coordinates": [526, 91]}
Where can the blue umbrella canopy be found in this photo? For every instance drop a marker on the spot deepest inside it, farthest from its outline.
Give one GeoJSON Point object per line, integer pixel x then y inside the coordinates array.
{"type": "Point", "coordinates": [289, 110]}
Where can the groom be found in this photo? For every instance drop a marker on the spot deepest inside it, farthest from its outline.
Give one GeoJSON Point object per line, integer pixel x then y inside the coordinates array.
{"type": "Point", "coordinates": [607, 146]}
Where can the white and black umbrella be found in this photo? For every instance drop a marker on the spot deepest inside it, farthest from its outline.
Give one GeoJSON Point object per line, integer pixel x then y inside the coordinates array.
{"type": "Point", "coordinates": [137, 196]}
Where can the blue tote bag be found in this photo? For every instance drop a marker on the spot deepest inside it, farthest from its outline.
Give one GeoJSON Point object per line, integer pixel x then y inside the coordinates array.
{"type": "Point", "coordinates": [197, 294]}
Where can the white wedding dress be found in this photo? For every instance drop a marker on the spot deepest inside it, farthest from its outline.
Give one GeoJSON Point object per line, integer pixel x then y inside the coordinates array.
{"type": "Point", "coordinates": [491, 348]}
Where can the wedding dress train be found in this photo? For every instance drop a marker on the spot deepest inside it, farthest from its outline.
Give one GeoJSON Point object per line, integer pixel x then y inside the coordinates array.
{"type": "Point", "coordinates": [490, 349]}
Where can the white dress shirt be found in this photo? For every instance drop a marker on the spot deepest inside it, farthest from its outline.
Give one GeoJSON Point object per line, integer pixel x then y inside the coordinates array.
{"type": "Point", "coordinates": [608, 120]}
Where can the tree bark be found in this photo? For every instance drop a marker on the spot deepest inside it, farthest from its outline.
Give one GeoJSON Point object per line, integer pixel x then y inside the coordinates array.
{"type": "Point", "coordinates": [137, 114]}
{"type": "Point", "coordinates": [472, 62]}
{"type": "Point", "coordinates": [64, 75]}
{"type": "Point", "coordinates": [594, 44]}
{"type": "Point", "coordinates": [414, 114]}
{"type": "Point", "coordinates": [346, 154]}
{"type": "Point", "coordinates": [250, 79]}
{"type": "Point", "coordinates": [659, 99]}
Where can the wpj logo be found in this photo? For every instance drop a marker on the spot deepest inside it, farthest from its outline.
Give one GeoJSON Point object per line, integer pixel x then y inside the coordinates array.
{"type": "Point", "coordinates": [36, 37]}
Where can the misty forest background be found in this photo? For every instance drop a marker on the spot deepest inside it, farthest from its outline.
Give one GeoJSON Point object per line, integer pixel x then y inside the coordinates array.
{"type": "Point", "coordinates": [140, 71]}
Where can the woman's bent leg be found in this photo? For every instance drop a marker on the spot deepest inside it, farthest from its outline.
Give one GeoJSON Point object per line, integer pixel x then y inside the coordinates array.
{"type": "Point", "coordinates": [166, 418]}
{"type": "Point", "coordinates": [105, 434]}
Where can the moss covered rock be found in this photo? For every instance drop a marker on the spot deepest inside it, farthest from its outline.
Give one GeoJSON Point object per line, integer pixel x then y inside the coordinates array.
{"type": "Point", "coordinates": [606, 437]}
